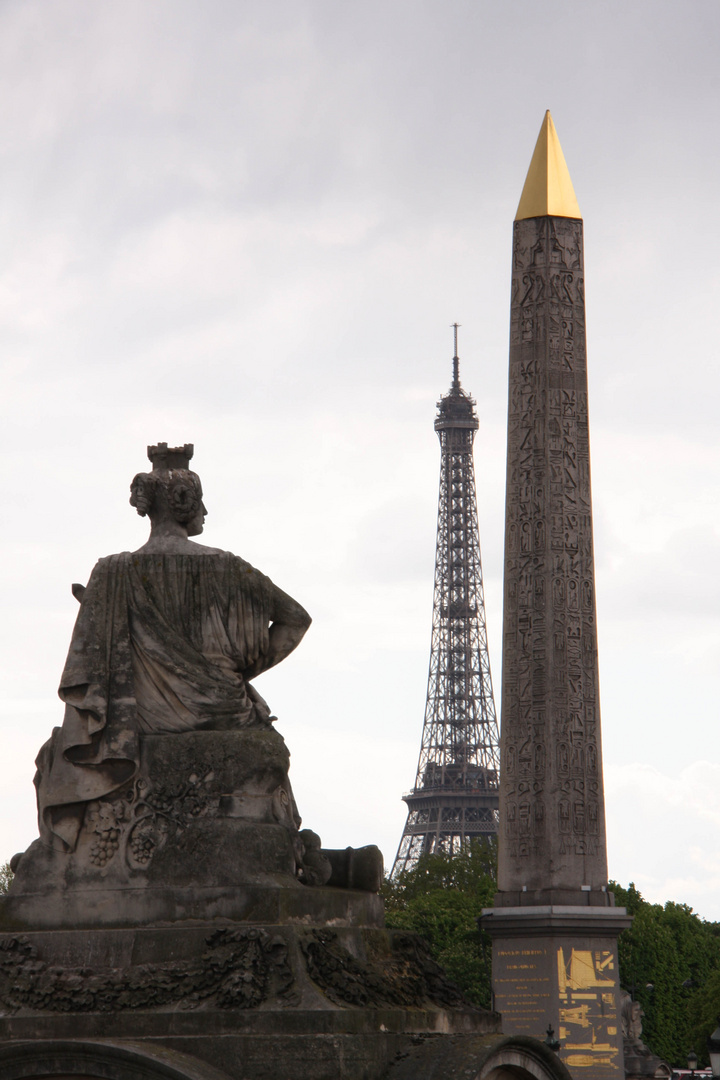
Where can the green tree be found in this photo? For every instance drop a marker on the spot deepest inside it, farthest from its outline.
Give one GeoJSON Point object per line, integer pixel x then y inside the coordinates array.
{"type": "Point", "coordinates": [441, 899]}
{"type": "Point", "coordinates": [670, 961]}
{"type": "Point", "coordinates": [6, 876]}
{"type": "Point", "coordinates": [704, 1005]}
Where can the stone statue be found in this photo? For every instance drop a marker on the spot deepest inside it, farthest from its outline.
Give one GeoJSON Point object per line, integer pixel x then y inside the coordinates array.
{"type": "Point", "coordinates": [167, 769]}
{"type": "Point", "coordinates": [167, 640]}
{"type": "Point", "coordinates": [632, 1014]}
{"type": "Point", "coordinates": [640, 1062]}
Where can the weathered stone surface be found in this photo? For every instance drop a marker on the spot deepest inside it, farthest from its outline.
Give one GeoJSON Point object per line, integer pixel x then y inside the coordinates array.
{"type": "Point", "coordinates": [295, 1000]}
{"type": "Point", "coordinates": [356, 868]}
{"type": "Point", "coordinates": [238, 968]}
{"type": "Point", "coordinates": [229, 967]}
{"type": "Point", "coordinates": [159, 648]}
{"type": "Point", "coordinates": [371, 1051]}
{"type": "Point", "coordinates": [205, 808]}
{"type": "Point", "coordinates": [100, 1060]}
{"type": "Point", "coordinates": [258, 904]}
{"type": "Point", "coordinates": [478, 1056]}
{"type": "Point", "coordinates": [166, 642]}
{"type": "Point", "coordinates": [397, 970]}
{"type": "Point", "coordinates": [551, 793]}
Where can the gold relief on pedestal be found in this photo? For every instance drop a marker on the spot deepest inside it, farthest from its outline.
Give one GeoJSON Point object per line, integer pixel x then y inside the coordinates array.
{"type": "Point", "coordinates": [588, 1012]}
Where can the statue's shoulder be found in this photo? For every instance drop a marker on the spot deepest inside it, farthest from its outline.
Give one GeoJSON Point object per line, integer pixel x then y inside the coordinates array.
{"type": "Point", "coordinates": [243, 569]}
{"type": "Point", "coordinates": [177, 545]}
{"type": "Point", "coordinates": [111, 564]}
{"type": "Point", "coordinates": [121, 558]}
{"type": "Point", "coordinates": [279, 603]}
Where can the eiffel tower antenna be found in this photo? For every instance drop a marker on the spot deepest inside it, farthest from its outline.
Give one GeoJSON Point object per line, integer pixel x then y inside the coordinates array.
{"type": "Point", "coordinates": [455, 797]}
{"type": "Point", "coordinates": [456, 360]}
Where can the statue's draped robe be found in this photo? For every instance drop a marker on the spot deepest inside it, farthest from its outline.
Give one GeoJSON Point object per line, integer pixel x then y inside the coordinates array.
{"type": "Point", "coordinates": [160, 645]}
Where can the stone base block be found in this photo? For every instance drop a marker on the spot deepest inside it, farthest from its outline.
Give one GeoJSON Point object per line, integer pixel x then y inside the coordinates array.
{"type": "Point", "coordinates": [369, 1055]}
{"type": "Point", "coordinates": [373, 1054]}
{"type": "Point", "coordinates": [205, 808]}
{"type": "Point", "coordinates": [145, 906]}
{"type": "Point", "coordinates": [595, 898]}
{"type": "Point", "coordinates": [253, 1002]}
{"type": "Point", "coordinates": [557, 965]}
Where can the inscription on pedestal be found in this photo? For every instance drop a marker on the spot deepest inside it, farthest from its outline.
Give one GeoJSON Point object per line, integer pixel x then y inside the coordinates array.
{"type": "Point", "coordinates": [571, 985]}
{"type": "Point", "coordinates": [523, 990]}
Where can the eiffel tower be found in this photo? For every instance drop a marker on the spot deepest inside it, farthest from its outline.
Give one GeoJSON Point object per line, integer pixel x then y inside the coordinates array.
{"type": "Point", "coordinates": [455, 797]}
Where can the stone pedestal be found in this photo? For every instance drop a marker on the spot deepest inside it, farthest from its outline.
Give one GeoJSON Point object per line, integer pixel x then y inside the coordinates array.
{"type": "Point", "coordinates": [302, 984]}
{"type": "Point", "coordinates": [205, 808]}
{"type": "Point", "coordinates": [556, 964]}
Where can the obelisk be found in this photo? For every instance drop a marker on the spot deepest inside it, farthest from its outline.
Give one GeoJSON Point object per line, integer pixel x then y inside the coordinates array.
{"type": "Point", "coordinates": [554, 924]}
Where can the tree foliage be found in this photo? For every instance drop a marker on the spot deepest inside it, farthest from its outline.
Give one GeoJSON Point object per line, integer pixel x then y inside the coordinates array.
{"type": "Point", "coordinates": [441, 899]}
{"type": "Point", "coordinates": [670, 961]}
{"type": "Point", "coordinates": [6, 876]}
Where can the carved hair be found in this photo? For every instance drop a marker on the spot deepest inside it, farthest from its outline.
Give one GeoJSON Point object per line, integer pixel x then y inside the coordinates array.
{"type": "Point", "coordinates": [178, 489]}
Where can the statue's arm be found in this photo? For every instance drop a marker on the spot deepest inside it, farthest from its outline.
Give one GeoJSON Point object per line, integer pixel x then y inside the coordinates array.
{"type": "Point", "coordinates": [288, 623]}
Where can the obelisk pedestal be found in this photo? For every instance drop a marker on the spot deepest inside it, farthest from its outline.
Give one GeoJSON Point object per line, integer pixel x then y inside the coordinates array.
{"type": "Point", "coordinates": [554, 924]}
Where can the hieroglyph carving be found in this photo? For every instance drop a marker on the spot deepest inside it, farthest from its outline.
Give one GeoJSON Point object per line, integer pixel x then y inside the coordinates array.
{"type": "Point", "coordinates": [550, 725]}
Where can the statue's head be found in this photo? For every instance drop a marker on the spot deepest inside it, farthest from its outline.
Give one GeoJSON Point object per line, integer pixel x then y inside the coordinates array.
{"type": "Point", "coordinates": [171, 492]}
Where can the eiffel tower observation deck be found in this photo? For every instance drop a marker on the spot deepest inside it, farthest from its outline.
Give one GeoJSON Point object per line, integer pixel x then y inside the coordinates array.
{"type": "Point", "coordinates": [455, 797]}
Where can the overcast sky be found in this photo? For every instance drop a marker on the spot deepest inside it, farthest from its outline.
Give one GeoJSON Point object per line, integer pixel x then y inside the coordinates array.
{"type": "Point", "coordinates": [249, 226]}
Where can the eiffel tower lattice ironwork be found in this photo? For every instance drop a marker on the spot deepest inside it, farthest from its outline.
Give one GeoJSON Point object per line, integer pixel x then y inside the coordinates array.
{"type": "Point", "coordinates": [455, 798]}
